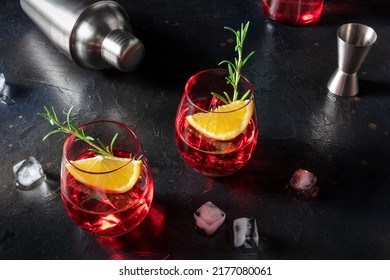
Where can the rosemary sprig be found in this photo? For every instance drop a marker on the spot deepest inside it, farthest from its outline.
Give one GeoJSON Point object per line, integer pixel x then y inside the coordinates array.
{"type": "Point", "coordinates": [235, 68]}
{"type": "Point", "coordinates": [70, 128]}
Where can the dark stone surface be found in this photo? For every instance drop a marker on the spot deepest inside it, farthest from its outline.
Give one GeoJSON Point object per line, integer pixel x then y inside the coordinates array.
{"type": "Point", "coordinates": [344, 141]}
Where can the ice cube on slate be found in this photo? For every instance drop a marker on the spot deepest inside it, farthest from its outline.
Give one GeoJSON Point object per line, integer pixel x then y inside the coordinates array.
{"type": "Point", "coordinates": [303, 184]}
{"type": "Point", "coordinates": [2, 81]}
{"type": "Point", "coordinates": [3, 97]}
{"type": "Point", "coordinates": [245, 233]}
{"type": "Point", "coordinates": [209, 218]}
{"type": "Point", "coordinates": [28, 174]}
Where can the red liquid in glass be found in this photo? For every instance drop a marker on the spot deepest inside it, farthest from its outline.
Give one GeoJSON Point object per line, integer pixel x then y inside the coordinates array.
{"type": "Point", "coordinates": [296, 12]}
{"type": "Point", "coordinates": [212, 157]}
{"type": "Point", "coordinates": [107, 214]}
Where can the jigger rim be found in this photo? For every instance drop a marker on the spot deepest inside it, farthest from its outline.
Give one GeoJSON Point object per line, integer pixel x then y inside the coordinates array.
{"type": "Point", "coordinates": [346, 30]}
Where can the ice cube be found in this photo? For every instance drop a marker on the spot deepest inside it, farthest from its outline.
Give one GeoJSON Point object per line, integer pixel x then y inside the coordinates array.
{"type": "Point", "coordinates": [245, 233]}
{"type": "Point", "coordinates": [28, 174]}
{"type": "Point", "coordinates": [2, 82]}
{"type": "Point", "coordinates": [3, 97]}
{"type": "Point", "coordinates": [209, 218]}
{"type": "Point", "coordinates": [303, 185]}
{"type": "Point", "coordinates": [6, 100]}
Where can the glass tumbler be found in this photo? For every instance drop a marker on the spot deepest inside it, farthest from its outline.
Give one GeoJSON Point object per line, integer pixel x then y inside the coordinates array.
{"type": "Point", "coordinates": [104, 210]}
{"type": "Point", "coordinates": [294, 12]}
{"type": "Point", "coordinates": [205, 154]}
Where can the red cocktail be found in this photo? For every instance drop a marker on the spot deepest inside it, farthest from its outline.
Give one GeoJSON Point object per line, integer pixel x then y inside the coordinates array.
{"type": "Point", "coordinates": [214, 138]}
{"type": "Point", "coordinates": [106, 195]}
{"type": "Point", "coordinates": [295, 12]}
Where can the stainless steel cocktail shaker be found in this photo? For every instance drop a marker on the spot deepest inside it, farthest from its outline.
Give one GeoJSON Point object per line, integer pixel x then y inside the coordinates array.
{"type": "Point", "coordinates": [94, 34]}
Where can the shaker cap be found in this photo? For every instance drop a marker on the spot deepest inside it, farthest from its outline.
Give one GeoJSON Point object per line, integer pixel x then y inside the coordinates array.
{"type": "Point", "coordinates": [122, 50]}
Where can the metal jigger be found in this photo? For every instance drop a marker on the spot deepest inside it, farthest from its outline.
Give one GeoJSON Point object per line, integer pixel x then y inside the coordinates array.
{"type": "Point", "coordinates": [354, 41]}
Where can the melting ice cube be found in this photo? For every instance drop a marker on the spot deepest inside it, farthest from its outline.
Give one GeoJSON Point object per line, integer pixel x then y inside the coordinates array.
{"type": "Point", "coordinates": [2, 82]}
{"type": "Point", "coordinates": [28, 174]}
{"type": "Point", "coordinates": [209, 218]}
{"type": "Point", "coordinates": [6, 100]}
{"type": "Point", "coordinates": [245, 233]}
{"type": "Point", "coordinates": [3, 97]}
{"type": "Point", "coordinates": [303, 184]}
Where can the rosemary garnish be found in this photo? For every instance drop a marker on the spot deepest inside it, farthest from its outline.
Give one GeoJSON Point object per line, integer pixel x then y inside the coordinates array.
{"type": "Point", "coordinates": [236, 67]}
{"type": "Point", "coordinates": [70, 128]}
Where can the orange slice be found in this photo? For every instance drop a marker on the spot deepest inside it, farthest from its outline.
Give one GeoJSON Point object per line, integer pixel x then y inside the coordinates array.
{"type": "Point", "coordinates": [106, 173]}
{"type": "Point", "coordinates": [225, 122]}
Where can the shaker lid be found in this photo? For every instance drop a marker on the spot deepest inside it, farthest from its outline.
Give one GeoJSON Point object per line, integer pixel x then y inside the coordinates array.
{"type": "Point", "coordinates": [122, 50]}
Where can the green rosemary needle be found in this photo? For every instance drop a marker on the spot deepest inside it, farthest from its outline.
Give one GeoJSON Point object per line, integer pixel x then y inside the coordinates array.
{"type": "Point", "coordinates": [235, 67]}
{"type": "Point", "coordinates": [70, 128]}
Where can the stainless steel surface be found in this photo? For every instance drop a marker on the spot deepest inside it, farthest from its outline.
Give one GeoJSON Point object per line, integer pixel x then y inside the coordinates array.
{"type": "Point", "coordinates": [354, 41]}
{"type": "Point", "coordinates": [79, 28]}
{"type": "Point", "coordinates": [122, 50]}
{"type": "Point", "coordinates": [342, 84]}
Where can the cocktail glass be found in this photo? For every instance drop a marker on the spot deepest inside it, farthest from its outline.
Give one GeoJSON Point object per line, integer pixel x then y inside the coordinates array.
{"type": "Point", "coordinates": [204, 153]}
{"type": "Point", "coordinates": [98, 207]}
{"type": "Point", "coordinates": [295, 12]}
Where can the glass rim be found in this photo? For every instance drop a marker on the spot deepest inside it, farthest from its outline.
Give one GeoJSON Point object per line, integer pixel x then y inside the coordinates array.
{"type": "Point", "coordinates": [133, 155]}
{"type": "Point", "coordinates": [242, 78]}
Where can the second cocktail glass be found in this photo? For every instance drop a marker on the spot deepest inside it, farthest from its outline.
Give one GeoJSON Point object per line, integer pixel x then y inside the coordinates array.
{"type": "Point", "coordinates": [214, 138]}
